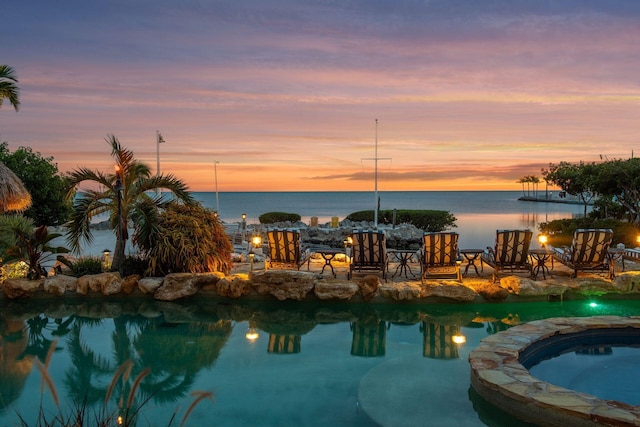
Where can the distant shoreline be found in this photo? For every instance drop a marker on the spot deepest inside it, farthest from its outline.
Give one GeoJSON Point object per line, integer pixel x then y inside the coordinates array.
{"type": "Point", "coordinates": [552, 200]}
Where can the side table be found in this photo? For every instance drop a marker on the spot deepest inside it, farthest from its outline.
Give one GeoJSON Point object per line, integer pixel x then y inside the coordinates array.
{"type": "Point", "coordinates": [471, 256]}
{"type": "Point", "coordinates": [328, 255]}
{"type": "Point", "coordinates": [403, 256]}
{"type": "Point", "coordinates": [615, 254]}
{"type": "Point", "coordinates": [541, 257]}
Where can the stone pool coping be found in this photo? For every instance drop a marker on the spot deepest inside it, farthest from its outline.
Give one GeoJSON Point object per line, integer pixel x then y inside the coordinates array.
{"type": "Point", "coordinates": [498, 376]}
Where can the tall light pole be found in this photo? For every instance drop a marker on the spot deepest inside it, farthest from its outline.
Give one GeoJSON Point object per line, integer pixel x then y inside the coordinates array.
{"type": "Point", "coordinates": [375, 159]}
{"type": "Point", "coordinates": [159, 140]}
{"type": "Point", "coordinates": [215, 176]}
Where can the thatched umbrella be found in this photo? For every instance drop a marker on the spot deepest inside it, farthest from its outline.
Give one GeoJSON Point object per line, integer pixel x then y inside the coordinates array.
{"type": "Point", "coordinates": [13, 195]}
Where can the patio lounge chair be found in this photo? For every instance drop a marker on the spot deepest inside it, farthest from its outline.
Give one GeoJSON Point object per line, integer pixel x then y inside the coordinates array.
{"type": "Point", "coordinates": [440, 256]}
{"type": "Point", "coordinates": [588, 251]}
{"type": "Point", "coordinates": [511, 252]}
{"type": "Point", "coordinates": [285, 250]}
{"type": "Point", "coordinates": [368, 253]}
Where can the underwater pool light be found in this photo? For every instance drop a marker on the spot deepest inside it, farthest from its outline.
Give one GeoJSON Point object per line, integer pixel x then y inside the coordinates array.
{"type": "Point", "coordinates": [593, 304]}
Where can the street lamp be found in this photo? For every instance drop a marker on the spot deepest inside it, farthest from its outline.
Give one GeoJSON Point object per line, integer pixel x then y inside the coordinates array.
{"type": "Point", "coordinates": [105, 260]}
{"type": "Point", "coordinates": [244, 227]}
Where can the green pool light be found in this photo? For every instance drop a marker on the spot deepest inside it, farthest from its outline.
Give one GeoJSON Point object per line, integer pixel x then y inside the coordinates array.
{"type": "Point", "coordinates": [593, 304]}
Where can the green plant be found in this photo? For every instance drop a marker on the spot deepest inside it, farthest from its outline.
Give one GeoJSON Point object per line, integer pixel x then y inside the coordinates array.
{"type": "Point", "coordinates": [8, 88]}
{"type": "Point", "coordinates": [41, 178]}
{"type": "Point", "coordinates": [187, 238]}
{"type": "Point", "coordinates": [9, 223]}
{"type": "Point", "coordinates": [135, 264]}
{"type": "Point", "coordinates": [125, 195]}
{"type": "Point", "coordinates": [427, 220]}
{"type": "Point", "coordinates": [273, 217]}
{"type": "Point", "coordinates": [561, 231]}
{"type": "Point", "coordinates": [13, 270]}
{"type": "Point", "coordinates": [126, 414]}
{"type": "Point", "coordinates": [35, 248]}
{"type": "Point", "coordinates": [83, 266]}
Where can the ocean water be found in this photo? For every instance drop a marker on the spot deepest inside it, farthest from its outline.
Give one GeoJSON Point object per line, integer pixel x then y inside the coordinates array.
{"type": "Point", "coordinates": [479, 213]}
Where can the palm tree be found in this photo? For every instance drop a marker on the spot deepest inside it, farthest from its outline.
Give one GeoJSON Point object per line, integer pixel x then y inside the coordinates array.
{"type": "Point", "coordinates": [128, 195]}
{"type": "Point", "coordinates": [8, 88]}
{"type": "Point", "coordinates": [536, 181]}
{"type": "Point", "coordinates": [522, 180]}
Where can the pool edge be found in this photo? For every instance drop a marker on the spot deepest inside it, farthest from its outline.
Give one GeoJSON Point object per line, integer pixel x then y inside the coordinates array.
{"type": "Point", "coordinates": [498, 376]}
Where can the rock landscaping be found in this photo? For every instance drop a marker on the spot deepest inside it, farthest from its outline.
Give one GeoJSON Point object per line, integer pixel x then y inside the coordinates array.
{"type": "Point", "coordinates": [308, 285]}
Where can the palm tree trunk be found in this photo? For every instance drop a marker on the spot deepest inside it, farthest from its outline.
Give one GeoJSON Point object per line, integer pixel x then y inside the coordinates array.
{"type": "Point", "coordinates": [121, 239]}
{"type": "Point", "coordinates": [118, 254]}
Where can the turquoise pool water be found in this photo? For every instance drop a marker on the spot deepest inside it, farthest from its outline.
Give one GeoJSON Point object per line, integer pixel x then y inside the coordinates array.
{"type": "Point", "coordinates": [311, 364]}
{"type": "Point", "coordinates": [605, 371]}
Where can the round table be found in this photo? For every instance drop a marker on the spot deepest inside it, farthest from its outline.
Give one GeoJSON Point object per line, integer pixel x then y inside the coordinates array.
{"type": "Point", "coordinates": [403, 256]}
{"type": "Point", "coordinates": [472, 255]}
{"type": "Point", "coordinates": [541, 256]}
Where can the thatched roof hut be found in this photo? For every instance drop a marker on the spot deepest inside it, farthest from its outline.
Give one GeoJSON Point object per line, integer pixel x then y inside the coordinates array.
{"type": "Point", "coordinates": [13, 195]}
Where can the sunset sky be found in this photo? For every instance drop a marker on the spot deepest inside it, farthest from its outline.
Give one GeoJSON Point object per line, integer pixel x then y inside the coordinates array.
{"type": "Point", "coordinates": [284, 94]}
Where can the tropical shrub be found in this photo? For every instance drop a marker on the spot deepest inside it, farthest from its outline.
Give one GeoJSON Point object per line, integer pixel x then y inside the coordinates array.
{"type": "Point", "coordinates": [187, 238]}
{"type": "Point", "coordinates": [82, 266]}
{"type": "Point", "coordinates": [126, 195]}
{"type": "Point", "coordinates": [427, 220]}
{"type": "Point", "coordinates": [35, 248]}
{"type": "Point", "coordinates": [45, 184]}
{"type": "Point", "coordinates": [135, 264]}
{"type": "Point", "coordinates": [13, 270]}
{"type": "Point", "coordinates": [9, 223]}
{"type": "Point", "coordinates": [273, 217]}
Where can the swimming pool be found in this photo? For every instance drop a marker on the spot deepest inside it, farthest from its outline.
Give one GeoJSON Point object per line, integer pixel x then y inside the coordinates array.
{"type": "Point", "coordinates": [312, 364]}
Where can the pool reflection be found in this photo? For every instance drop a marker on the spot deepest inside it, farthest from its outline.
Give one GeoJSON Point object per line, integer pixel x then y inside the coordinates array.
{"type": "Point", "coordinates": [182, 343]}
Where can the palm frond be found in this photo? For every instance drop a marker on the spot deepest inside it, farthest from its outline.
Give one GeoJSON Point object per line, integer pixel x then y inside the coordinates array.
{"type": "Point", "coordinates": [88, 205]}
{"type": "Point", "coordinates": [8, 86]}
{"type": "Point", "coordinates": [169, 183]}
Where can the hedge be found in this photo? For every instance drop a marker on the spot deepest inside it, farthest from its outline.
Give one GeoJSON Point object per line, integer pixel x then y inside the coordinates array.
{"type": "Point", "coordinates": [427, 220]}
{"type": "Point", "coordinates": [273, 217]}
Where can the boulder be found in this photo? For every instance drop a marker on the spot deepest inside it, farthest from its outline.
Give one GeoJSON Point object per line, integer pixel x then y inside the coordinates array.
{"type": "Point", "coordinates": [59, 284]}
{"type": "Point", "coordinates": [368, 286]}
{"type": "Point", "coordinates": [325, 290]}
{"type": "Point", "coordinates": [597, 285]}
{"type": "Point", "coordinates": [284, 284]}
{"type": "Point", "coordinates": [526, 287]}
{"type": "Point", "coordinates": [110, 283]}
{"type": "Point", "coordinates": [107, 283]}
{"type": "Point", "coordinates": [233, 287]}
{"type": "Point", "coordinates": [628, 280]}
{"type": "Point", "coordinates": [400, 291]}
{"type": "Point", "coordinates": [148, 285]}
{"type": "Point", "coordinates": [130, 283]}
{"type": "Point", "coordinates": [491, 292]}
{"type": "Point", "coordinates": [19, 288]}
{"type": "Point", "coordinates": [448, 289]}
{"type": "Point", "coordinates": [181, 285]}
